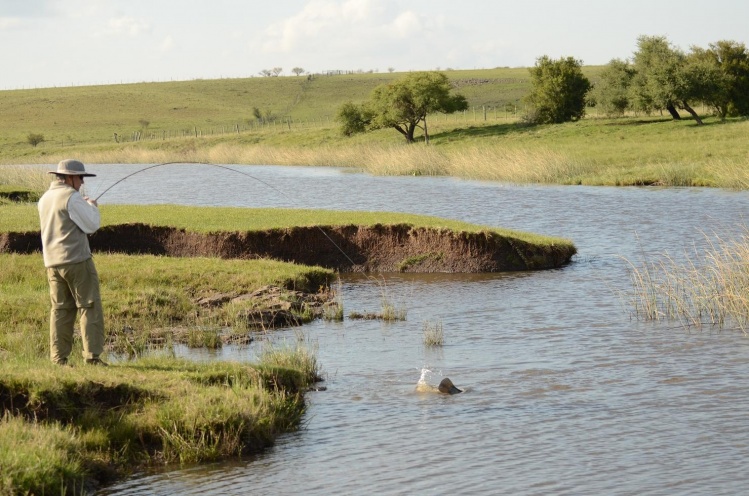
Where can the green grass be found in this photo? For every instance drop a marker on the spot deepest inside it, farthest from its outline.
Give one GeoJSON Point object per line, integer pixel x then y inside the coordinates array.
{"type": "Point", "coordinates": [69, 427]}
{"type": "Point", "coordinates": [92, 114]}
{"type": "Point", "coordinates": [142, 293]}
{"type": "Point", "coordinates": [61, 428]}
{"type": "Point", "coordinates": [25, 218]}
{"type": "Point", "coordinates": [485, 142]}
{"type": "Point", "coordinates": [198, 120]}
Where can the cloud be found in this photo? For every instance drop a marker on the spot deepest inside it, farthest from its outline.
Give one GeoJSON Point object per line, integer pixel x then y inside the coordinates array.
{"type": "Point", "coordinates": [320, 20]}
{"type": "Point", "coordinates": [406, 25]}
{"type": "Point", "coordinates": [167, 44]}
{"type": "Point", "coordinates": [9, 23]}
{"type": "Point", "coordinates": [126, 25]}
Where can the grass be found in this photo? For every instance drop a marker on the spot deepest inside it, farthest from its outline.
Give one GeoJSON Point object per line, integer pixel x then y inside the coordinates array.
{"type": "Point", "coordinates": [434, 334]}
{"type": "Point", "coordinates": [68, 427]}
{"type": "Point", "coordinates": [25, 218]}
{"type": "Point", "coordinates": [63, 427]}
{"type": "Point", "coordinates": [199, 120]}
{"type": "Point", "coordinates": [142, 294]}
{"type": "Point", "coordinates": [707, 289]}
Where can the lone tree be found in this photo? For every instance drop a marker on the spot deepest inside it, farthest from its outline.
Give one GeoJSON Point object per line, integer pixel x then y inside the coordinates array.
{"type": "Point", "coordinates": [558, 90]}
{"type": "Point", "coordinates": [34, 139]}
{"type": "Point", "coordinates": [297, 71]}
{"type": "Point", "coordinates": [402, 105]}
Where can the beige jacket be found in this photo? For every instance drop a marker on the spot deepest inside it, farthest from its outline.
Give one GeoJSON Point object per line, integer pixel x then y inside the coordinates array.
{"type": "Point", "coordinates": [66, 219]}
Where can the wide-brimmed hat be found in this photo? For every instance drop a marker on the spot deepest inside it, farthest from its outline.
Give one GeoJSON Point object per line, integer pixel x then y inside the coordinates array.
{"type": "Point", "coordinates": [71, 167]}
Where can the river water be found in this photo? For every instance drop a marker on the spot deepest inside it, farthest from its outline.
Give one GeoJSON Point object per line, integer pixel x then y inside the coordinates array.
{"type": "Point", "coordinates": [565, 391]}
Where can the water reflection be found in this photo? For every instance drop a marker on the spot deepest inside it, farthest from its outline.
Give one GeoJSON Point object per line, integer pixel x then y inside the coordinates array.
{"type": "Point", "coordinates": [565, 393]}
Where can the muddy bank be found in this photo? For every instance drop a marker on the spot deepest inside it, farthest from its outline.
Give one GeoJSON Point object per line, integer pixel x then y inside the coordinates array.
{"type": "Point", "coordinates": [393, 248]}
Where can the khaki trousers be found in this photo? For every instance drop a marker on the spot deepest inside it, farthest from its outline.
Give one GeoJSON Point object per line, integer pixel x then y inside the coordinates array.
{"type": "Point", "coordinates": [75, 287]}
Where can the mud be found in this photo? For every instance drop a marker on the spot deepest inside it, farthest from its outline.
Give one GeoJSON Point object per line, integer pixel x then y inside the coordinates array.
{"type": "Point", "coordinates": [379, 248]}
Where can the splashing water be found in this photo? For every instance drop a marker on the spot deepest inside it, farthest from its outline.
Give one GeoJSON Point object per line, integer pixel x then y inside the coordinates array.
{"type": "Point", "coordinates": [422, 385]}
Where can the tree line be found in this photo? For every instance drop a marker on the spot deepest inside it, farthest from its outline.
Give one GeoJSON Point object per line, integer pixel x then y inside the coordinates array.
{"type": "Point", "coordinates": [659, 77]}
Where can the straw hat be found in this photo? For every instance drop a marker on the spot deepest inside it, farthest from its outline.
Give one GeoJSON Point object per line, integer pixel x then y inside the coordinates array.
{"type": "Point", "coordinates": [71, 167]}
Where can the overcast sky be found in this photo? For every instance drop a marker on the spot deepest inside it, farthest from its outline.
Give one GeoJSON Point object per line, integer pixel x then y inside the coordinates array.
{"type": "Point", "coordinates": [76, 42]}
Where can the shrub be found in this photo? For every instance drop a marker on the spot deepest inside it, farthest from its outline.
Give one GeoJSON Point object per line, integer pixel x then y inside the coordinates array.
{"type": "Point", "coordinates": [34, 138]}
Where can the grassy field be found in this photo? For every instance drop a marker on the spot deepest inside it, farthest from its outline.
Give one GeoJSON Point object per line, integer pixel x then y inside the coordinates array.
{"type": "Point", "coordinates": [63, 428]}
{"type": "Point", "coordinates": [212, 121]}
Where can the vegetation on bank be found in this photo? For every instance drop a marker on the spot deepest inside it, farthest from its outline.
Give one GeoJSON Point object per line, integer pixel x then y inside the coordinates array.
{"type": "Point", "coordinates": [63, 428]}
{"type": "Point", "coordinates": [23, 217]}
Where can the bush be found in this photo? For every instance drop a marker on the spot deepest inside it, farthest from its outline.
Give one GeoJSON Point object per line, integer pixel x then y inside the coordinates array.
{"type": "Point", "coordinates": [34, 138]}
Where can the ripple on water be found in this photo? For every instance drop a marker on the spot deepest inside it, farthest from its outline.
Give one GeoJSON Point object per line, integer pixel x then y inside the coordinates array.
{"type": "Point", "coordinates": [565, 393]}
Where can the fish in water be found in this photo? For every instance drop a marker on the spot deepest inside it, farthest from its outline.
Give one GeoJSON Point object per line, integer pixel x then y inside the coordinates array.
{"type": "Point", "coordinates": [446, 387]}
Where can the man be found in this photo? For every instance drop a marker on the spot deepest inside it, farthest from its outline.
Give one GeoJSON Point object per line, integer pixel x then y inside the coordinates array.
{"type": "Point", "coordinates": [67, 218]}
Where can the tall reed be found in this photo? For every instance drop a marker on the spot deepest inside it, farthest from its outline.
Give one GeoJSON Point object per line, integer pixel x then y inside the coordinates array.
{"type": "Point", "coordinates": [31, 178]}
{"type": "Point", "coordinates": [711, 288]}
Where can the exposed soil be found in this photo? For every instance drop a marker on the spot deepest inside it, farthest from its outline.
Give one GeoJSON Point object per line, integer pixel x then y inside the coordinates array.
{"type": "Point", "coordinates": [393, 248]}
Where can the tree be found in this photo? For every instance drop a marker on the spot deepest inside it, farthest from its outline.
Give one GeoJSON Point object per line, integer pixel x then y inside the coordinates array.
{"type": "Point", "coordinates": [611, 92]}
{"type": "Point", "coordinates": [297, 70]}
{"type": "Point", "coordinates": [665, 78]}
{"type": "Point", "coordinates": [34, 139]}
{"type": "Point", "coordinates": [728, 64]}
{"type": "Point", "coordinates": [403, 105]}
{"type": "Point", "coordinates": [558, 90]}
{"type": "Point", "coordinates": [276, 71]}
{"type": "Point", "coordinates": [353, 118]}
{"type": "Point", "coordinates": [266, 73]}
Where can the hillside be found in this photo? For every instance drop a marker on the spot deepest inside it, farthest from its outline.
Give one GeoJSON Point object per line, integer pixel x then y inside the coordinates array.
{"type": "Point", "coordinates": [93, 114]}
{"type": "Point", "coordinates": [213, 121]}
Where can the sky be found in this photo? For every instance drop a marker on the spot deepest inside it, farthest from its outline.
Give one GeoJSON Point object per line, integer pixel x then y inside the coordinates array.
{"type": "Point", "coordinates": [48, 43]}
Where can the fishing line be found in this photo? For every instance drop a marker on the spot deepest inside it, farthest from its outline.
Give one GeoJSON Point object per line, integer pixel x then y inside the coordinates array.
{"type": "Point", "coordinates": [232, 170]}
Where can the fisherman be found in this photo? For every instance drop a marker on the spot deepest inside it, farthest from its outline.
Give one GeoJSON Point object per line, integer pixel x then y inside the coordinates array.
{"type": "Point", "coordinates": [67, 218]}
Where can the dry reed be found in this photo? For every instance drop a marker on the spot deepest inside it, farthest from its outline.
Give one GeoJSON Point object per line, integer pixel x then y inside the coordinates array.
{"type": "Point", "coordinates": [519, 165]}
{"type": "Point", "coordinates": [434, 334]}
{"type": "Point", "coordinates": [705, 289]}
{"type": "Point", "coordinates": [31, 178]}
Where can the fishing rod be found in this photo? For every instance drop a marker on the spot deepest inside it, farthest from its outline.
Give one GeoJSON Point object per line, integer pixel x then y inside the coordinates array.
{"type": "Point", "coordinates": [232, 170]}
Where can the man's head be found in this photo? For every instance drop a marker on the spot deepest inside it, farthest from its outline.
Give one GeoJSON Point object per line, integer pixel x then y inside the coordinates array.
{"type": "Point", "coordinates": [71, 172]}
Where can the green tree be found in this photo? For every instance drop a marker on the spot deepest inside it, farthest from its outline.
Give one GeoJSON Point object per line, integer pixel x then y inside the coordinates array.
{"type": "Point", "coordinates": [666, 78]}
{"type": "Point", "coordinates": [728, 89]}
{"type": "Point", "coordinates": [558, 90]}
{"type": "Point", "coordinates": [402, 105]}
{"type": "Point", "coordinates": [611, 92]}
{"type": "Point", "coordinates": [353, 118]}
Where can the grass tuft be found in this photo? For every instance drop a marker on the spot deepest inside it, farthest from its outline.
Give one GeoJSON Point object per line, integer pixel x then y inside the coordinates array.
{"type": "Point", "coordinates": [433, 333]}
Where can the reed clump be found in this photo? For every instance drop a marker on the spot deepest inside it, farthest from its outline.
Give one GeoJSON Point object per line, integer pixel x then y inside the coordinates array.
{"type": "Point", "coordinates": [710, 288]}
{"type": "Point", "coordinates": [433, 332]}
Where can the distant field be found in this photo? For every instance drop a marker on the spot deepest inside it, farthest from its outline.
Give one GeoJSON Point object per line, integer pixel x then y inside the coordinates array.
{"type": "Point", "coordinates": [92, 114]}
{"type": "Point", "coordinates": [212, 121]}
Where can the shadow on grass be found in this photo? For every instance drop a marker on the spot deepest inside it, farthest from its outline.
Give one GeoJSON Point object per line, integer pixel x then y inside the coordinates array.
{"type": "Point", "coordinates": [688, 120]}
{"type": "Point", "coordinates": [483, 131]}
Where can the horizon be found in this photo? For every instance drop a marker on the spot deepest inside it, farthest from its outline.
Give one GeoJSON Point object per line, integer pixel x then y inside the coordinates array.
{"type": "Point", "coordinates": [69, 43]}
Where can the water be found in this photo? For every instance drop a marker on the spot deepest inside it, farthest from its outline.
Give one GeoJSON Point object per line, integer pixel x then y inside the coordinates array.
{"type": "Point", "coordinates": [564, 391]}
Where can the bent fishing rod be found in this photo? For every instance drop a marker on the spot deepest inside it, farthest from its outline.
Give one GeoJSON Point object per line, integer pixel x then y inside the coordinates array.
{"type": "Point", "coordinates": [232, 170]}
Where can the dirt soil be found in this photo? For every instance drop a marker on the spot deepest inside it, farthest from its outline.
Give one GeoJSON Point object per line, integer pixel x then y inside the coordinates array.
{"type": "Point", "coordinates": [379, 248]}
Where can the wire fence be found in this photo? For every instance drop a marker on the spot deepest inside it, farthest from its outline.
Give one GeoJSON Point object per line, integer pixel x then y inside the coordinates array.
{"type": "Point", "coordinates": [483, 113]}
